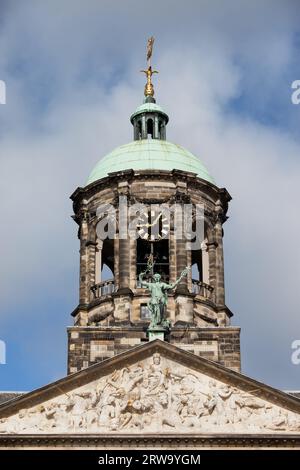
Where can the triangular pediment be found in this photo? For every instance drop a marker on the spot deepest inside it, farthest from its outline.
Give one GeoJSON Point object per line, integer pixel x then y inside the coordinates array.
{"type": "Point", "coordinates": [153, 388]}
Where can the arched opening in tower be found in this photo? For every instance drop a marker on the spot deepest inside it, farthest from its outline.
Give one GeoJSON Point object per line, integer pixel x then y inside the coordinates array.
{"type": "Point", "coordinates": [107, 265]}
{"type": "Point", "coordinates": [139, 130]}
{"type": "Point", "coordinates": [160, 252]}
{"type": "Point", "coordinates": [150, 128]}
{"type": "Point", "coordinates": [200, 267]}
{"type": "Point", "coordinates": [106, 273]}
{"type": "Point", "coordinates": [197, 269]}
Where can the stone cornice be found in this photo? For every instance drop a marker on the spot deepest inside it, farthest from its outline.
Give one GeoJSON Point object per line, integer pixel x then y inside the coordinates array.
{"type": "Point", "coordinates": [191, 179]}
{"type": "Point", "coordinates": [151, 441]}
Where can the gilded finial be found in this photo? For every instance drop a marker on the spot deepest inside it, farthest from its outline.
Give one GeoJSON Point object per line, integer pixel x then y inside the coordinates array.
{"type": "Point", "coordinates": [149, 90]}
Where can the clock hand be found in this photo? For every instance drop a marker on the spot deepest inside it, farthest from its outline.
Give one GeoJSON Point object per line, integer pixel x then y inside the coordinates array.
{"type": "Point", "coordinates": [156, 220]}
{"type": "Point", "coordinates": [143, 225]}
{"type": "Point", "coordinates": [150, 225]}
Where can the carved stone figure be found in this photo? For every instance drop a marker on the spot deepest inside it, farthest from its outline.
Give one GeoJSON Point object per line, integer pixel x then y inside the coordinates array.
{"type": "Point", "coordinates": [156, 395]}
{"type": "Point", "coordinates": [107, 411]}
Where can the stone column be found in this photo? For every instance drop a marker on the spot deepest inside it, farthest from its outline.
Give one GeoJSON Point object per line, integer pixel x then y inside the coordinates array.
{"type": "Point", "coordinates": [91, 246]}
{"type": "Point", "coordinates": [183, 298]}
{"type": "Point", "coordinates": [211, 250]}
{"type": "Point", "coordinates": [122, 240]}
{"type": "Point", "coordinates": [220, 285]}
{"type": "Point", "coordinates": [132, 260]}
{"type": "Point", "coordinates": [116, 263]}
{"type": "Point", "coordinates": [144, 129]}
{"type": "Point", "coordinates": [155, 128]}
{"type": "Point", "coordinates": [84, 294]}
{"type": "Point", "coordinates": [172, 257]}
{"type": "Point", "coordinates": [123, 296]}
{"type": "Point", "coordinates": [205, 263]}
{"type": "Point", "coordinates": [216, 265]}
{"type": "Point", "coordinates": [98, 262]}
{"type": "Point", "coordinates": [181, 264]}
{"type": "Point", "coordinates": [124, 266]}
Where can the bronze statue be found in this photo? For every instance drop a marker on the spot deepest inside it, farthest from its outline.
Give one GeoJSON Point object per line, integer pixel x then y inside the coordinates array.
{"type": "Point", "coordinates": [159, 295]}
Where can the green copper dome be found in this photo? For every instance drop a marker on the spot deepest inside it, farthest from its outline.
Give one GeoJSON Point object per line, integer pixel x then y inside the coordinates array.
{"type": "Point", "coordinates": [148, 108]}
{"type": "Point", "coordinates": [149, 154]}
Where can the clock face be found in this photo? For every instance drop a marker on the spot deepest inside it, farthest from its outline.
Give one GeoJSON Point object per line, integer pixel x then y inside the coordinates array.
{"type": "Point", "coordinates": [153, 225]}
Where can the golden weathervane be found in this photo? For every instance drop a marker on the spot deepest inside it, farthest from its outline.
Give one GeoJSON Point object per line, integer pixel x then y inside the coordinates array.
{"type": "Point", "coordinates": [149, 90]}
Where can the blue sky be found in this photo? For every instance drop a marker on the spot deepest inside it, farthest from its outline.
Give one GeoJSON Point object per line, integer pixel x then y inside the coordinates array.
{"type": "Point", "coordinates": [72, 74]}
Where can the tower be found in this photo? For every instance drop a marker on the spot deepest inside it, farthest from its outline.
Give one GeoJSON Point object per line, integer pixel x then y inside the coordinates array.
{"type": "Point", "coordinates": [144, 188]}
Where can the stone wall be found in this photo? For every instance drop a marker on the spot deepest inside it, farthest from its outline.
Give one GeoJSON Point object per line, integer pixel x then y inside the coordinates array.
{"type": "Point", "coordinates": [88, 345]}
